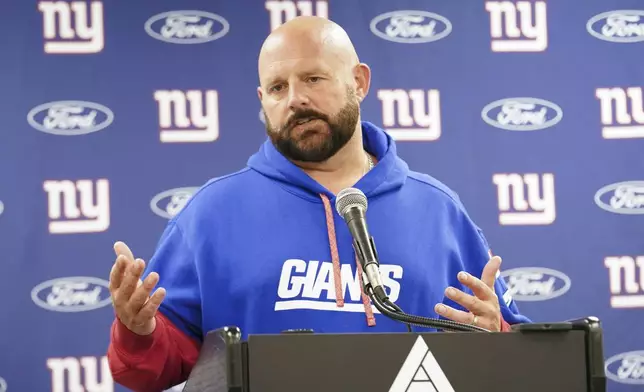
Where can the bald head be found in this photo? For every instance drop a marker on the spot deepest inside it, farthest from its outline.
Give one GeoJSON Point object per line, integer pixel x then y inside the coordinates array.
{"type": "Point", "coordinates": [311, 86]}
{"type": "Point", "coordinates": [308, 36]}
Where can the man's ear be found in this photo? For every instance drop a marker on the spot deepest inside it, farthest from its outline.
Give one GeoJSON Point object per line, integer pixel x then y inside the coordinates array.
{"type": "Point", "coordinates": [362, 77]}
{"type": "Point", "coordinates": [259, 93]}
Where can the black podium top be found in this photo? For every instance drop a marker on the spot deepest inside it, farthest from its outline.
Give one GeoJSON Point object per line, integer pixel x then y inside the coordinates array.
{"type": "Point", "coordinates": [549, 357]}
{"type": "Point", "coordinates": [441, 362]}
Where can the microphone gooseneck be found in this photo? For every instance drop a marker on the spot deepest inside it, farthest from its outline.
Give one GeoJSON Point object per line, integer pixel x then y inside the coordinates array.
{"type": "Point", "coordinates": [351, 205]}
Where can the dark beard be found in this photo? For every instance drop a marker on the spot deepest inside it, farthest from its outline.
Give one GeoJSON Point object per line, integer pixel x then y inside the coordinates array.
{"type": "Point", "coordinates": [342, 127]}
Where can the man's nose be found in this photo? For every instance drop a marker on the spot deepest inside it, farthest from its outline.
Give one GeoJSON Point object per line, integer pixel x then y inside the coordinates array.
{"type": "Point", "coordinates": [297, 97]}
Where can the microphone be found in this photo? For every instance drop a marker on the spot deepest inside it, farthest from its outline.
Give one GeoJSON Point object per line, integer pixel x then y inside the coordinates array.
{"type": "Point", "coordinates": [351, 205]}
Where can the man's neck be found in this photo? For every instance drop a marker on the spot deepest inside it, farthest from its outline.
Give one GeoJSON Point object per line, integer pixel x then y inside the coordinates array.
{"type": "Point", "coordinates": [343, 169]}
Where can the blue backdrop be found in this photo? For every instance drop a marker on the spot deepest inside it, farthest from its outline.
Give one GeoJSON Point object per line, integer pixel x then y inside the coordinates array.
{"type": "Point", "coordinates": [113, 112]}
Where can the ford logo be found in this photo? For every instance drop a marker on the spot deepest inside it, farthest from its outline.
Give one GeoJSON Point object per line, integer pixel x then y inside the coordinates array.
{"type": "Point", "coordinates": [622, 198]}
{"type": "Point", "coordinates": [622, 26]}
{"type": "Point", "coordinates": [1, 207]}
{"type": "Point", "coordinates": [187, 27]}
{"type": "Point", "coordinates": [73, 294]}
{"type": "Point", "coordinates": [168, 203]}
{"type": "Point", "coordinates": [70, 118]}
{"type": "Point", "coordinates": [522, 114]}
{"type": "Point", "coordinates": [535, 283]}
{"type": "Point", "coordinates": [410, 27]}
{"type": "Point", "coordinates": [626, 368]}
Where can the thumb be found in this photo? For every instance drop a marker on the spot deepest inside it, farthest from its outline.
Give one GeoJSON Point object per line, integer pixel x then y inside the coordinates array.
{"type": "Point", "coordinates": [489, 272]}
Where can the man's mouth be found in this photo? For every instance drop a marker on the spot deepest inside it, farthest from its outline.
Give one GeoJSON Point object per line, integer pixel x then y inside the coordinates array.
{"type": "Point", "coordinates": [304, 120]}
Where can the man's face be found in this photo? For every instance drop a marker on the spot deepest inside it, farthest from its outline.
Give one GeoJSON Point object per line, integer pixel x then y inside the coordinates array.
{"type": "Point", "coordinates": [311, 112]}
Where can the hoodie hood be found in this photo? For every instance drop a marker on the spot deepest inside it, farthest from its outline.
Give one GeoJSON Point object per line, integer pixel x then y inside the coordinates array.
{"type": "Point", "coordinates": [387, 175]}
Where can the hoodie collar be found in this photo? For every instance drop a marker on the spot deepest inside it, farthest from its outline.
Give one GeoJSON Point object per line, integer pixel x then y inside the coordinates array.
{"type": "Point", "coordinates": [388, 174]}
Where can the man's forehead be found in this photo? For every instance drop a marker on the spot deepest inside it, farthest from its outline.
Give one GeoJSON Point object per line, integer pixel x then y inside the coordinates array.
{"type": "Point", "coordinates": [287, 69]}
{"type": "Point", "coordinates": [284, 48]}
{"type": "Point", "coordinates": [285, 64]}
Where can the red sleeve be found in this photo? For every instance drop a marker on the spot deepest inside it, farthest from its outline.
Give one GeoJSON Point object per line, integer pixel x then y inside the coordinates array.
{"type": "Point", "coordinates": [154, 362]}
{"type": "Point", "coordinates": [505, 327]}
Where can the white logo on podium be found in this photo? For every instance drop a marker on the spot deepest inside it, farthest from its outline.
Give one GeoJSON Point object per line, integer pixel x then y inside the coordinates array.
{"type": "Point", "coordinates": [421, 372]}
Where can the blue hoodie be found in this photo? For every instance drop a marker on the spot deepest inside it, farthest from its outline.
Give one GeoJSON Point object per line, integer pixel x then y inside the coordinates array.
{"type": "Point", "coordinates": [264, 249]}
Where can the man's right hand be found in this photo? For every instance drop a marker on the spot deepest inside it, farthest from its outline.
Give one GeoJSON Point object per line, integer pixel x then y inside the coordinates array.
{"type": "Point", "coordinates": [134, 306]}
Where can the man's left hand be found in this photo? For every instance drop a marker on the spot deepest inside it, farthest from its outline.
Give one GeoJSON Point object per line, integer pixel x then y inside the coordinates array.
{"type": "Point", "coordinates": [485, 311]}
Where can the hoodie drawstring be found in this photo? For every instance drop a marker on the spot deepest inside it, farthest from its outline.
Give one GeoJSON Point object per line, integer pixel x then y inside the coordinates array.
{"type": "Point", "coordinates": [335, 258]}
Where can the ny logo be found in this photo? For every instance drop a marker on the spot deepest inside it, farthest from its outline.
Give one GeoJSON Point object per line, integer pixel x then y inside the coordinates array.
{"type": "Point", "coordinates": [63, 36]}
{"type": "Point", "coordinates": [626, 289]}
{"type": "Point", "coordinates": [418, 114]}
{"type": "Point", "coordinates": [624, 122]}
{"type": "Point", "coordinates": [533, 210]}
{"type": "Point", "coordinates": [519, 37]}
{"type": "Point", "coordinates": [281, 11]}
{"type": "Point", "coordinates": [94, 208]}
{"type": "Point", "coordinates": [74, 375]}
{"type": "Point", "coordinates": [177, 127]}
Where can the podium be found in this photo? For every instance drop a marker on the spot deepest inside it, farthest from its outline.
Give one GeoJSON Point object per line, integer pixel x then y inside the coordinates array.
{"type": "Point", "coordinates": [551, 357]}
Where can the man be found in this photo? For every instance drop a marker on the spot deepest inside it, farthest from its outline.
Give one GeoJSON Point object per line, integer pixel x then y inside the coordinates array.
{"type": "Point", "coordinates": [263, 249]}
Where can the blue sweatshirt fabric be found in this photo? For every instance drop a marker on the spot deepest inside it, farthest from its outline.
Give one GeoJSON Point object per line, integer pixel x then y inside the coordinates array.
{"type": "Point", "coordinates": [255, 249]}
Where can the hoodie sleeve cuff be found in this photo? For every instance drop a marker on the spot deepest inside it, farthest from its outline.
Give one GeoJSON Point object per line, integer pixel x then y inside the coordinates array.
{"type": "Point", "coordinates": [505, 327]}
{"type": "Point", "coordinates": [133, 344]}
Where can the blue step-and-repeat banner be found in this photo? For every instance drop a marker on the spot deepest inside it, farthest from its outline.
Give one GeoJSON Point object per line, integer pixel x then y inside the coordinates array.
{"type": "Point", "coordinates": [115, 111]}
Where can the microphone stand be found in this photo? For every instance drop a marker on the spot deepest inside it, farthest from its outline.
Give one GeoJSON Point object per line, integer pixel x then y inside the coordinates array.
{"type": "Point", "coordinates": [393, 311]}
{"type": "Point", "coordinates": [351, 205]}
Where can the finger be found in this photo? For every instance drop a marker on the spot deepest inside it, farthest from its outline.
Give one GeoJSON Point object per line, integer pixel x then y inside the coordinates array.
{"type": "Point", "coordinates": [454, 314]}
{"type": "Point", "coordinates": [467, 318]}
{"type": "Point", "coordinates": [468, 301]}
{"type": "Point", "coordinates": [130, 280]}
{"type": "Point", "coordinates": [490, 271]}
{"type": "Point", "coordinates": [150, 308]}
{"type": "Point", "coordinates": [120, 248]}
{"type": "Point", "coordinates": [480, 289]}
{"type": "Point", "coordinates": [116, 273]}
{"type": "Point", "coordinates": [142, 293]}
